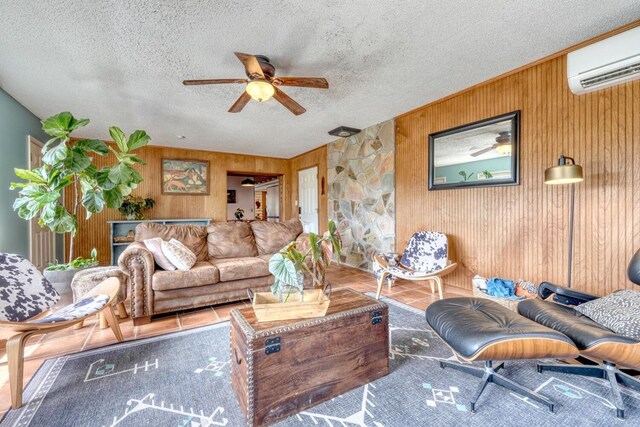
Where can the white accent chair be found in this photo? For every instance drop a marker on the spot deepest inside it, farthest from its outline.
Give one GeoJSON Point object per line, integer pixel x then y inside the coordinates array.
{"type": "Point", "coordinates": [426, 258]}
{"type": "Point", "coordinates": [25, 298]}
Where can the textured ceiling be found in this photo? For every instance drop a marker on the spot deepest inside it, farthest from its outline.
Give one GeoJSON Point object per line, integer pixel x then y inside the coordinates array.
{"type": "Point", "coordinates": [122, 62]}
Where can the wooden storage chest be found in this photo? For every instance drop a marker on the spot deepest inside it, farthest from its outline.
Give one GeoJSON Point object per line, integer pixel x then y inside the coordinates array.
{"type": "Point", "coordinates": [281, 368]}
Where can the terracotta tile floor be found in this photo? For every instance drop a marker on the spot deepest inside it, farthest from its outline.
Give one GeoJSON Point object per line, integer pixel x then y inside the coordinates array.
{"type": "Point", "coordinates": [72, 340]}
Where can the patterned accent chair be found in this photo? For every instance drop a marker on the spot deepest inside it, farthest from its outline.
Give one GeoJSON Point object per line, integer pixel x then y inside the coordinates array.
{"type": "Point", "coordinates": [25, 297]}
{"type": "Point", "coordinates": [426, 257]}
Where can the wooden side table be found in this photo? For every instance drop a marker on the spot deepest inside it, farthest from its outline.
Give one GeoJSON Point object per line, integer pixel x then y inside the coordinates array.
{"type": "Point", "coordinates": [85, 281]}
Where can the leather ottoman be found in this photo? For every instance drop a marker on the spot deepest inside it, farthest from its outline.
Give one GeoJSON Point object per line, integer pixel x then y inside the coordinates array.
{"type": "Point", "coordinates": [478, 329]}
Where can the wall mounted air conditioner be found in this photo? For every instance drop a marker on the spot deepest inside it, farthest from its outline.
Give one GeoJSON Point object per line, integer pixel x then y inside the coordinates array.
{"type": "Point", "coordinates": [606, 63]}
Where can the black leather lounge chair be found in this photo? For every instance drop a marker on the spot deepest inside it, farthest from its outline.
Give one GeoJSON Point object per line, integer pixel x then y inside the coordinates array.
{"type": "Point", "coordinates": [592, 339]}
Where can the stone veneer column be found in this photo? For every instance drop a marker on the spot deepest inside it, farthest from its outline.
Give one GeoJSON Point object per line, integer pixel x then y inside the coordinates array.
{"type": "Point", "coordinates": [361, 176]}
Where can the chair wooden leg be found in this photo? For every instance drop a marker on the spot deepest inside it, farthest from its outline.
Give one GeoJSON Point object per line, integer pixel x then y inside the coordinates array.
{"type": "Point", "coordinates": [122, 310]}
{"type": "Point", "coordinates": [103, 320]}
{"type": "Point", "coordinates": [15, 356]}
{"type": "Point", "coordinates": [79, 325]}
{"type": "Point", "coordinates": [432, 283]}
{"type": "Point", "coordinates": [438, 280]}
{"type": "Point", "coordinates": [383, 276]}
{"type": "Point", "coordinates": [110, 315]}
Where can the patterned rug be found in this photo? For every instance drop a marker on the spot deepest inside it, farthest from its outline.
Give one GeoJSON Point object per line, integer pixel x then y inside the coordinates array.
{"type": "Point", "coordinates": [182, 379]}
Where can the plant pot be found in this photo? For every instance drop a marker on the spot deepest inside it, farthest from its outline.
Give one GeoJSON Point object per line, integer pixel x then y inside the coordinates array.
{"type": "Point", "coordinates": [61, 281]}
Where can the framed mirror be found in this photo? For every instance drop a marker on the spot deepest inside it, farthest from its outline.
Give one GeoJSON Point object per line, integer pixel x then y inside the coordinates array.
{"type": "Point", "coordinates": [480, 154]}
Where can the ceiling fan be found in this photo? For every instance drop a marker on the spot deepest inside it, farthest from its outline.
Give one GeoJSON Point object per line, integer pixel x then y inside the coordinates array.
{"type": "Point", "coordinates": [263, 84]}
{"type": "Point", "coordinates": [502, 145]}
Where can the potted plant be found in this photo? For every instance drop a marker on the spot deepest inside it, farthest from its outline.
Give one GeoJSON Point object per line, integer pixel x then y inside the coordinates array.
{"type": "Point", "coordinates": [61, 275]}
{"type": "Point", "coordinates": [132, 207]}
{"type": "Point", "coordinates": [68, 166]}
{"type": "Point", "coordinates": [239, 213]}
{"type": "Point", "coordinates": [290, 266]}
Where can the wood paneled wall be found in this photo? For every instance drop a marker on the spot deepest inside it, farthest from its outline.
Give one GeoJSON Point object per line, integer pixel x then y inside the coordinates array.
{"type": "Point", "coordinates": [317, 157]}
{"type": "Point", "coordinates": [94, 233]}
{"type": "Point", "coordinates": [522, 231]}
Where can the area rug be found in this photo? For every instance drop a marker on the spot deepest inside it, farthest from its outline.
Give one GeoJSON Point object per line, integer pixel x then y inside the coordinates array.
{"type": "Point", "coordinates": [182, 379]}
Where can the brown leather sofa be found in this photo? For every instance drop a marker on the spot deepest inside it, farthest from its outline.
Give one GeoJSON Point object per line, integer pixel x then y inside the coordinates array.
{"type": "Point", "coordinates": [231, 258]}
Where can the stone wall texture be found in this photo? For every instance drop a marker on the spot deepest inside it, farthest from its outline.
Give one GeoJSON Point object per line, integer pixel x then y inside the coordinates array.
{"type": "Point", "coordinates": [361, 176]}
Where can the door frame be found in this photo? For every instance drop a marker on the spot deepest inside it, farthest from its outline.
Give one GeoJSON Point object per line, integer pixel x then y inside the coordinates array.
{"type": "Point", "coordinates": [297, 212]}
{"type": "Point", "coordinates": [31, 139]}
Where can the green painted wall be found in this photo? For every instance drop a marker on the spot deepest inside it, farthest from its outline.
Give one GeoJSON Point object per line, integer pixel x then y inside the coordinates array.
{"type": "Point", "coordinates": [452, 172]}
{"type": "Point", "coordinates": [16, 122]}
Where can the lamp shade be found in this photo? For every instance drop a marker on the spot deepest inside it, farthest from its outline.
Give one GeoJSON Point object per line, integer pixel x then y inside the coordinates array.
{"type": "Point", "coordinates": [260, 90]}
{"type": "Point", "coordinates": [248, 183]}
{"type": "Point", "coordinates": [566, 172]}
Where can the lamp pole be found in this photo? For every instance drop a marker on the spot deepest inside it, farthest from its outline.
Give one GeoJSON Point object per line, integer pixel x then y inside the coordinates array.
{"type": "Point", "coordinates": [573, 198]}
{"type": "Point", "coordinates": [566, 172]}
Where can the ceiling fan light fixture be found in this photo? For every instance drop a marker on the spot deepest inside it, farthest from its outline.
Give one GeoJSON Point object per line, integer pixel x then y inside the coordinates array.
{"type": "Point", "coordinates": [504, 149]}
{"type": "Point", "coordinates": [260, 90]}
{"type": "Point", "coordinates": [248, 183]}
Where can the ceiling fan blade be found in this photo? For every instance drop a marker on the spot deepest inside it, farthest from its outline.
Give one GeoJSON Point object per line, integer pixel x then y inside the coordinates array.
{"type": "Point", "coordinates": [240, 103]}
{"type": "Point", "coordinates": [251, 64]}
{"type": "Point", "coordinates": [288, 102]}
{"type": "Point", "coordinates": [486, 150]}
{"type": "Point", "coordinates": [317, 82]}
{"type": "Point", "coordinates": [213, 81]}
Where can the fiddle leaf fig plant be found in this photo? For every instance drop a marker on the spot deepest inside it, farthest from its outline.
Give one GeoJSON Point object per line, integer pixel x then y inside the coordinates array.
{"type": "Point", "coordinates": [69, 165]}
{"type": "Point", "coordinates": [290, 265]}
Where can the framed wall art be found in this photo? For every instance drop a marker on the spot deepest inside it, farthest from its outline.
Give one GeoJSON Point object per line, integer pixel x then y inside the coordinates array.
{"type": "Point", "coordinates": [181, 176]}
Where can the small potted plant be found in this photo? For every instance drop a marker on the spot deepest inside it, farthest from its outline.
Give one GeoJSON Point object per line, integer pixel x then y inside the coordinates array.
{"type": "Point", "coordinates": [60, 275]}
{"type": "Point", "coordinates": [290, 266]}
{"type": "Point", "coordinates": [239, 213]}
{"type": "Point", "coordinates": [132, 207]}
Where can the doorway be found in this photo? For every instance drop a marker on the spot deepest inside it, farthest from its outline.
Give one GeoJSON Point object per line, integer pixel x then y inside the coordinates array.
{"type": "Point", "coordinates": [308, 199]}
{"type": "Point", "coordinates": [254, 196]}
{"type": "Point", "coordinates": [42, 241]}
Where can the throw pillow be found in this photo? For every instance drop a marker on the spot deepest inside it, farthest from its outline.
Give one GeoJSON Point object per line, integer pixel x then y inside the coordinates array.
{"type": "Point", "coordinates": [619, 312]}
{"type": "Point", "coordinates": [178, 254]}
{"type": "Point", "coordinates": [155, 247]}
{"type": "Point", "coordinates": [192, 236]}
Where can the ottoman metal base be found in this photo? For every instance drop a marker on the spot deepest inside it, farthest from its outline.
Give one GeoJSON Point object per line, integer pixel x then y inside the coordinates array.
{"type": "Point", "coordinates": [607, 371]}
{"type": "Point", "coordinates": [490, 375]}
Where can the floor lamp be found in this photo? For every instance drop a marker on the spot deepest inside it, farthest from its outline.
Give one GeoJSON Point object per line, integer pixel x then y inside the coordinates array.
{"type": "Point", "coordinates": [566, 172]}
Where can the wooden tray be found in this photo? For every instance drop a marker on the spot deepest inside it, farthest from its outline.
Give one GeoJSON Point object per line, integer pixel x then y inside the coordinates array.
{"type": "Point", "coordinates": [267, 307]}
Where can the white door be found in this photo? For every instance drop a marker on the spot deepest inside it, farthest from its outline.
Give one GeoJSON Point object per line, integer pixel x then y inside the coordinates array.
{"type": "Point", "coordinates": [308, 199]}
{"type": "Point", "coordinates": [42, 241]}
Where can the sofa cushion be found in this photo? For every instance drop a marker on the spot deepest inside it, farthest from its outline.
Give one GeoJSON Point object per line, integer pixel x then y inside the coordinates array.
{"type": "Point", "coordinates": [273, 236]}
{"type": "Point", "coordinates": [192, 236]}
{"type": "Point", "coordinates": [583, 331]}
{"type": "Point", "coordinates": [230, 240]}
{"type": "Point", "coordinates": [241, 268]}
{"type": "Point", "coordinates": [201, 274]}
